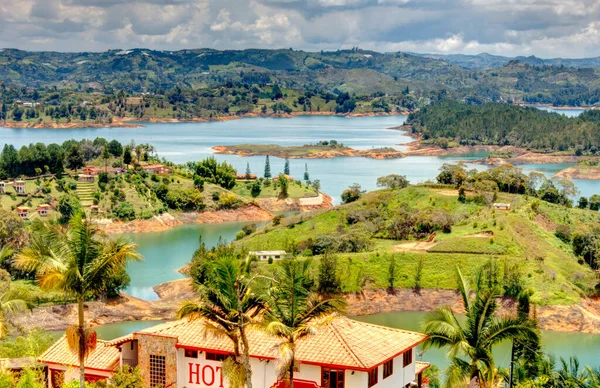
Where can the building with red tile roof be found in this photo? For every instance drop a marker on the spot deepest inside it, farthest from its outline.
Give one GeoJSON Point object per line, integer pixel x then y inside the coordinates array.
{"type": "Point", "coordinates": [343, 353]}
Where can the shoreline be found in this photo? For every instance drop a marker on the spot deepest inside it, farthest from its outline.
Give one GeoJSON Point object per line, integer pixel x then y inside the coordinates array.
{"type": "Point", "coordinates": [125, 122]}
{"type": "Point", "coordinates": [583, 317]}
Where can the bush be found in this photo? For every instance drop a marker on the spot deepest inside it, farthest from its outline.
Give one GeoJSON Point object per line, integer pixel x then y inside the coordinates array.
{"type": "Point", "coordinates": [240, 235]}
{"type": "Point", "coordinates": [102, 177]}
{"type": "Point", "coordinates": [249, 229]}
{"type": "Point", "coordinates": [228, 201]}
{"type": "Point", "coordinates": [352, 193]}
{"type": "Point", "coordinates": [277, 219]}
{"type": "Point", "coordinates": [184, 199]}
{"type": "Point", "coordinates": [124, 211]}
{"type": "Point", "coordinates": [563, 232]}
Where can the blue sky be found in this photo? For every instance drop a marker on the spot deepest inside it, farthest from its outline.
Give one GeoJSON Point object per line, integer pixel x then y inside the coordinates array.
{"type": "Point", "coordinates": [546, 28]}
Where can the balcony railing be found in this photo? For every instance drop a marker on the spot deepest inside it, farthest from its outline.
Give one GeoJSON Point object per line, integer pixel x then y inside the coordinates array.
{"type": "Point", "coordinates": [132, 362]}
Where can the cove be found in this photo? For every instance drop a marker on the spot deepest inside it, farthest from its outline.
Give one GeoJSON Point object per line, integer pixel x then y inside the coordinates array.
{"type": "Point", "coordinates": [165, 252]}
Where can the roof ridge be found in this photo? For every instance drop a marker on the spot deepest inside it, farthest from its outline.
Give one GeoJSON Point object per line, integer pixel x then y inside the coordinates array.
{"type": "Point", "coordinates": [345, 344]}
{"type": "Point", "coordinates": [388, 328]}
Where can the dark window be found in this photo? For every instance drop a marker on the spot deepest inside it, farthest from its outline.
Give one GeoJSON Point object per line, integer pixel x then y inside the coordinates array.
{"type": "Point", "coordinates": [388, 368]}
{"type": "Point", "coordinates": [57, 378]}
{"type": "Point", "coordinates": [407, 357]}
{"type": "Point", "coordinates": [189, 353]}
{"type": "Point", "coordinates": [157, 371]}
{"type": "Point", "coordinates": [373, 376]}
{"type": "Point", "coordinates": [332, 378]}
{"type": "Point", "coordinates": [215, 356]}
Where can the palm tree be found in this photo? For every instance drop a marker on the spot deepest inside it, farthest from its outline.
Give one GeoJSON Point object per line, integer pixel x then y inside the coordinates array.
{"type": "Point", "coordinates": [230, 308]}
{"type": "Point", "coordinates": [78, 260]}
{"type": "Point", "coordinates": [294, 312]}
{"type": "Point", "coordinates": [475, 338]}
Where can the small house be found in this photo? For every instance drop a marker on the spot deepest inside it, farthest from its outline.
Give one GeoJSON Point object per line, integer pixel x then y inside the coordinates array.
{"type": "Point", "coordinates": [43, 209]}
{"type": "Point", "coordinates": [288, 177]}
{"type": "Point", "coordinates": [266, 255]}
{"type": "Point", "coordinates": [158, 169]}
{"type": "Point", "coordinates": [85, 178]}
{"type": "Point", "coordinates": [23, 211]}
{"type": "Point", "coordinates": [19, 186]}
{"type": "Point", "coordinates": [502, 206]}
{"type": "Point", "coordinates": [90, 170]}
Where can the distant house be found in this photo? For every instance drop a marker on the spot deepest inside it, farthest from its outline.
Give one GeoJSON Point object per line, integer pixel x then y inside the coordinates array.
{"type": "Point", "coordinates": [158, 169]}
{"type": "Point", "coordinates": [266, 255]}
{"type": "Point", "coordinates": [502, 206]}
{"type": "Point", "coordinates": [94, 170]}
{"type": "Point", "coordinates": [43, 209]}
{"type": "Point", "coordinates": [85, 178]}
{"type": "Point", "coordinates": [23, 211]}
{"type": "Point", "coordinates": [19, 186]}
{"type": "Point", "coordinates": [243, 177]}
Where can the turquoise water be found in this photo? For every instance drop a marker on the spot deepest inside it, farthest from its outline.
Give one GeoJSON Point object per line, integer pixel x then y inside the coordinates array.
{"type": "Point", "coordinates": [165, 252]}
{"type": "Point", "coordinates": [567, 112]}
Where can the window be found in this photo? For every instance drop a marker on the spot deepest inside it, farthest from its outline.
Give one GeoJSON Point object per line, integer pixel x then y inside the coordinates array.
{"type": "Point", "coordinates": [332, 378]}
{"type": "Point", "coordinates": [388, 368]}
{"type": "Point", "coordinates": [57, 378]}
{"type": "Point", "coordinates": [215, 356]}
{"type": "Point", "coordinates": [373, 376]}
{"type": "Point", "coordinates": [157, 371]}
{"type": "Point", "coordinates": [407, 357]}
{"type": "Point", "coordinates": [189, 353]}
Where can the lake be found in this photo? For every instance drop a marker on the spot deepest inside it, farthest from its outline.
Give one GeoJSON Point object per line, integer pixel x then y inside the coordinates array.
{"type": "Point", "coordinates": [182, 142]}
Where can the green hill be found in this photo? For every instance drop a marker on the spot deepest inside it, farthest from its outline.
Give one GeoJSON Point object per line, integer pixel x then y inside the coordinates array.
{"type": "Point", "coordinates": [397, 225]}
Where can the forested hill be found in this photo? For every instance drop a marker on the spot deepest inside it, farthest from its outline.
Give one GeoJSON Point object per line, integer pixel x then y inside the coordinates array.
{"type": "Point", "coordinates": [352, 71]}
{"type": "Point", "coordinates": [507, 124]}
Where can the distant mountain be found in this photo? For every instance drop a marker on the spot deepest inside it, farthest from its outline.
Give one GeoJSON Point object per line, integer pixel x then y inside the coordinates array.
{"type": "Point", "coordinates": [486, 61]}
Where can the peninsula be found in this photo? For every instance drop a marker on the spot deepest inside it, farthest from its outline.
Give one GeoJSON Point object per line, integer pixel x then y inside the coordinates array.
{"type": "Point", "coordinates": [321, 150]}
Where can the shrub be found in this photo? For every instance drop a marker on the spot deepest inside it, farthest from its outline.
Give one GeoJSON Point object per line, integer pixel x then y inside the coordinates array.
{"type": "Point", "coordinates": [228, 201]}
{"type": "Point", "coordinates": [249, 229]}
{"type": "Point", "coordinates": [352, 193]}
{"type": "Point", "coordinates": [184, 199]}
{"type": "Point", "coordinates": [240, 235]}
{"type": "Point", "coordinates": [277, 219]}
{"type": "Point", "coordinates": [563, 232]}
{"type": "Point", "coordinates": [124, 211]}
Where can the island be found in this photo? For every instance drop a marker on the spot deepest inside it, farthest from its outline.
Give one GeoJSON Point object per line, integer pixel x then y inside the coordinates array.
{"type": "Point", "coordinates": [321, 150]}
{"type": "Point", "coordinates": [585, 169]}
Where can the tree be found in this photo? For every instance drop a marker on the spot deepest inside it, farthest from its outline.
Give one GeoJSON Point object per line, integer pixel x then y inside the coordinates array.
{"type": "Point", "coordinates": [220, 173]}
{"type": "Point", "coordinates": [105, 156]}
{"type": "Point", "coordinates": [392, 273]}
{"type": "Point", "coordinates": [352, 193]}
{"type": "Point", "coordinates": [294, 312]}
{"type": "Point", "coordinates": [127, 156]}
{"type": "Point", "coordinates": [595, 202]}
{"type": "Point", "coordinates": [115, 148]}
{"type": "Point", "coordinates": [75, 158]}
{"type": "Point", "coordinates": [77, 260]}
{"type": "Point", "coordinates": [306, 176]}
{"type": "Point", "coordinates": [286, 168]}
{"type": "Point", "coordinates": [11, 301]}
{"type": "Point", "coordinates": [68, 206]}
{"type": "Point", "coordinates": [256, 189]}
{"type": "Point", "coordinates": [3, 112]}
{"type": "Point", "coordinates": [229, 307]}
{"type": "Point", "coordinates": [328, 278]}
{"type": "Point", "coordinates": [475, 338]}
{"type": "Point", "coordinates": [582, 203]}
{"type": "Point", "coordinates": [316, 184]}
{"type": "Point", "coordinates": [248, 172]}
{"type": "Point", "coordinates": [267, 173]}
{"type": "Point", "coordinates": [392, 181]}
{"type": "Point", "coordinates": [283, 184]}
{"type": "Point", "coordinates": [126, 377]}
{"type": "Point", "coordinates": [276, 92]}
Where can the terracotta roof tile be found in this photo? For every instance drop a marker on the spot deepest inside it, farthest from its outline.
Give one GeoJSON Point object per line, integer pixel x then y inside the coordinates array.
{"type": "Point", "coordinates": [341, 342]}
{"type": "Point", "coordinates": [104, 357]}
{"type": "Point", "coordinates": [421, 366]}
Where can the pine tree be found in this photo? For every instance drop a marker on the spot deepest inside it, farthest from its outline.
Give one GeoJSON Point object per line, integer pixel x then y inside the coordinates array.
{"type": "Point", "coordinates": [267, 168]}
{"type": "Point", "coordinates": [306, 176]}
{"type": "Point", "coordinates": [286, 168]}
{"type": "Point", "coordinates": [248, 172]}
{"type": "Point", "coordinates": [3, 112]}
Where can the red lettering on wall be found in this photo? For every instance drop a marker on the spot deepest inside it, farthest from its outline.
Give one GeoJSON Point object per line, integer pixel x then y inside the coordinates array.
{"type": "Point", "coordinates": [212, 375]}
{"type": "Point", "coordinates": [194, 373]}
{"type": "Point", "coordinates": [220, 377]}
{"type": "Point", "coordinates": [208, 374]}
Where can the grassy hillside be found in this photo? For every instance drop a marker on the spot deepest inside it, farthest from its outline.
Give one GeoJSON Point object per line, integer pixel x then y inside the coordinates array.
{"type": "Point", "coordinates": [367, 236]}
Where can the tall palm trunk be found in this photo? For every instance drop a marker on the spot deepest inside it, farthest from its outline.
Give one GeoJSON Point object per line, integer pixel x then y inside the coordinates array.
{"type": "Point", "coordinates": [246, 358]}
{"type": "Point", "coordinates": [81, 343]}
{"type": "Point", "coordinates": [292, 364]}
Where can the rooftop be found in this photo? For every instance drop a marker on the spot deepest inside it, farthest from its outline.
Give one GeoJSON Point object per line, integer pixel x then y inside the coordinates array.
{"type": "Point", "coordinates": [259, 253]}
{"type": "Point", "coordinates": [103, 358]}
{"type": "Point", "coordinates": [341, 342]}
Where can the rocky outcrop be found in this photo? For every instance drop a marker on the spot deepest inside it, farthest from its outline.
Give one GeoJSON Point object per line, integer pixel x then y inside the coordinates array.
{"type": "Point", "coordinates": [322, 201]}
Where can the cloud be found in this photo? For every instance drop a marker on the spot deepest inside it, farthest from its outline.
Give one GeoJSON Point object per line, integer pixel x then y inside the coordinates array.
{"type": "Point", "coordinates": [547, 28]}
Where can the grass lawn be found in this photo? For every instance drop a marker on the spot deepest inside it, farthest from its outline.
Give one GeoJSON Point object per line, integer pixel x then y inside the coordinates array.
{"type": "Point", "coordinates": [295, 190]}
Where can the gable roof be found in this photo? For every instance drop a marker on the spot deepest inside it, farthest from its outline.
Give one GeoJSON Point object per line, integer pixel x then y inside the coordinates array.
{"type": "Point", "coordinates": [341, 342]}
{"type": "Point", "coordinates": [103, 358]}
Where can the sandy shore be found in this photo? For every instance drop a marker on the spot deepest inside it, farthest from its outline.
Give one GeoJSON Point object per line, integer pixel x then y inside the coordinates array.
{"type": "Point", "coordinates": [579, 172]}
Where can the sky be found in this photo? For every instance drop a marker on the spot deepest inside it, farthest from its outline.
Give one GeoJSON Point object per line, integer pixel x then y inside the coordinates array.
{"type": "Point", "coordinates": [545, 28]}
